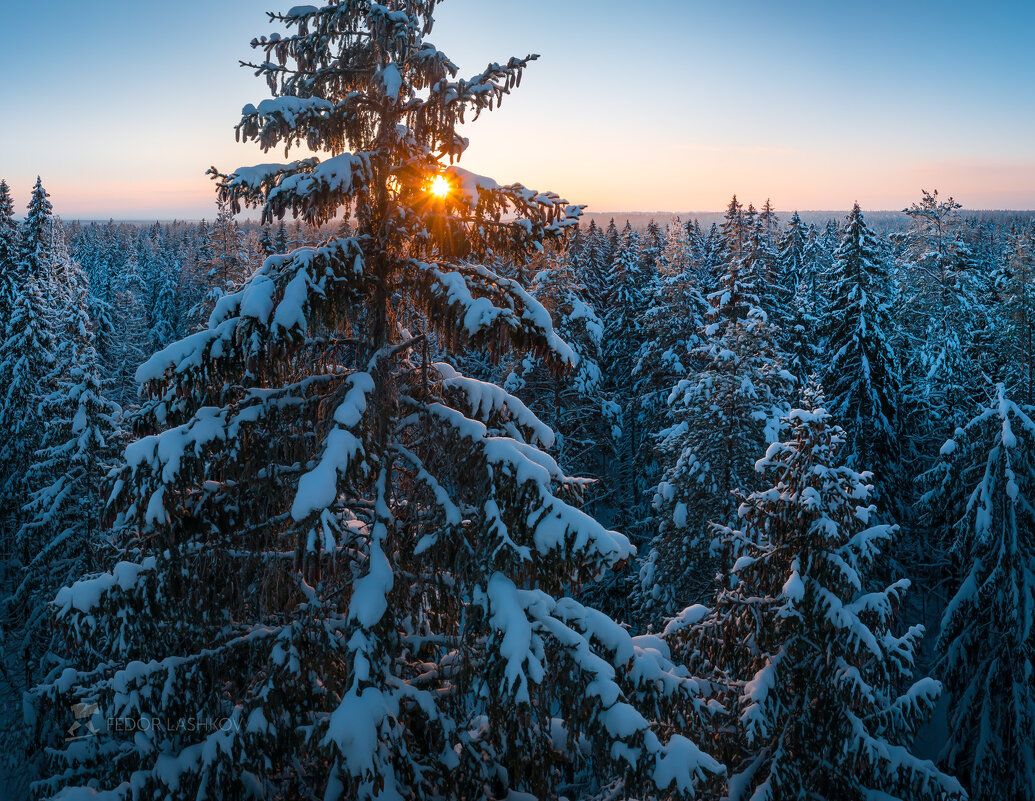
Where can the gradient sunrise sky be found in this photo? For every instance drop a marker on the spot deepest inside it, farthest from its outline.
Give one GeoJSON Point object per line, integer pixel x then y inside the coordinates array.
{"type": "Point", "coordinates": [653, 105]}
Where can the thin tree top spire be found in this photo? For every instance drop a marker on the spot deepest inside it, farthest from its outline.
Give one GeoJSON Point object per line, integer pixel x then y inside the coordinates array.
{"type": "Point", "coordinates": [36, 229]}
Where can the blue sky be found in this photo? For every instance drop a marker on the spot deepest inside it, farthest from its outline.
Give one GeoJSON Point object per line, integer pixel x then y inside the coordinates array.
{"type": "Point", "coordinates": [654, 105]}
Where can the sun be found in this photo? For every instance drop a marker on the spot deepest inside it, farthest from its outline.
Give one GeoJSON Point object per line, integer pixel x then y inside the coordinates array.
{"type": "Point", "coordinates": [439, 186]}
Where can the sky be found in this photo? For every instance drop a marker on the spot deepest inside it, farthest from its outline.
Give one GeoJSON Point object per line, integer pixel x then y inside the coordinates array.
{"type": "Point", "coordinates": [121, 105]}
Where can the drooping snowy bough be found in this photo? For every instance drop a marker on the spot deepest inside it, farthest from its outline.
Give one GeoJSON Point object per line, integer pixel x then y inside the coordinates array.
{"type": "Point", "coordinates": [349, 566]}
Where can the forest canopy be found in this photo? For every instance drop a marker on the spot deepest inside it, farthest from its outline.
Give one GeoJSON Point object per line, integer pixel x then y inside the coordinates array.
{"type": "Point", "coordinates": [418, 485]}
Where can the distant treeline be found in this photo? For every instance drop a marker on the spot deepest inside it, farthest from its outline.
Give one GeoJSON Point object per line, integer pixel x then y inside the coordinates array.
{"type": "Point", "coordinates": [886, 221]}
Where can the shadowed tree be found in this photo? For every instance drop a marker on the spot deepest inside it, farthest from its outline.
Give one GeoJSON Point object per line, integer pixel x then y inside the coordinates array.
{"type": "Point", "coordinates": [359, 558]}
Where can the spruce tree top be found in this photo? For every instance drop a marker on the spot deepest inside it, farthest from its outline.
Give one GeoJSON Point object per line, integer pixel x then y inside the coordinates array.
{"type": "Point", "coordinates": [859, 256]}
{"type": "Point", "coordinates": [360, 77]}
{"type": "Point", "coordinates": [8, 228]}
{"type": "Point", "coordinates": [36, 229]}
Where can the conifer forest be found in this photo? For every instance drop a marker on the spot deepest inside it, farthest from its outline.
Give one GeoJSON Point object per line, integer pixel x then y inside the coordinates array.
{"type": "Point", "coordinates": [392, 482]}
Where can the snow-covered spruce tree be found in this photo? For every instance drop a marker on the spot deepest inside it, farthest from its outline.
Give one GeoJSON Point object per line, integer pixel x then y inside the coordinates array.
{"type": "Point", "coordinates": [62, 532]}
{"type": "Point", "coordinates": [25, 355]}
{"type": "Point", "coordinates": [830, 238]}
{"type": "Point", "coordinates": [132, 335]}
{"type": "Point", "coordinates": [987, 643]}
{"type": "Point", "coordinates": [593, 265]}
{"type": "Point", "coordinates": [945, 317]}
{"type": "Point", "coordinates": [9, 287]}
{"type": "Point", "coordinates": [163, 319]}
{"type": "Point", "coordinates": [801, 351]}
{"type": "Point", "coordinates": [670, 329]}
{"type": "Point", "coordinates": [628, 290]}
{"type": "Point", "coordinates": [266, 241]}
{"type": "Point", "coordinates": [733, 234]}
{"type": "Point", "coordinates": [34, 253]}
{"type": "Point", "coordinates": [1015, 331]}
{"type": "Point", "coordinates": [862, 380]}
{"type": "Point", "coordinates": [229, 265]}
{"type": "Point", "coordinates": [762, 260]}
{"type": "Point", "coordinates": [280, 242]}
{"type": "Point", "coordinates": [677, 256]}
{"type": "Point", "coordinates": [192, 279]}
{"type": "Point", "coordinates": [159, 268]}
{"type": "Point", "coordinates": [709, 268]}
{"type": "Point", "coordinates": [652, 246]}
{"type": "Point", "coordinates": [9, 282]}
{"type": "Point", "coordinates": [696, 242]}
{"type": "Point", "coordinates": [796, 282]}
{"type": "Point", "coordinates": [8, 257]}
{"type": "Point", "coordinates": [769, 223]}
{"type": "Point", "coordinates": [672, 333]}
{"type": "Point", "coordinates": [223, 263]}
{"type": "Point", "coordinates": [791, 248]}
{"type": "Point", "coordinates": [818, 254]}
{"type": "Point", "coordinates": [823, 705]}
{"type": "Point", "coordinates": [348, 556]}
{"type": "Point", "coordinates": [722, 415]}
{"type": "Point", "coordinates": [749, 217]}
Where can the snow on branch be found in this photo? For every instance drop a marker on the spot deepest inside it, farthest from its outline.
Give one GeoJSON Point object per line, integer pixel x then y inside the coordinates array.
{"type": "Point", "coordinates": [483, 194]}
{"type": "Point", "coordinates": [274, 306]}
{"type": "Point", "coordinates": [485, 399]}
{"type": "Point", "coordinates": [533, 626]}
{"type": "Point", "coordinates": [310, 188]}
{"type": "Point", "coordinates": [342, 454]}
{"type": "Point", "coordinates": [491, 311]}
{"type": "Point", "coordinates": [556, 525]}
{"type": "Point", "coordinates": [86, 594]}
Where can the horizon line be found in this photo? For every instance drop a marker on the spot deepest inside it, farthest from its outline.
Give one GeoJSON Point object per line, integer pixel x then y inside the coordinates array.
{"type": "Point", "coordinates": [658, 212]}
